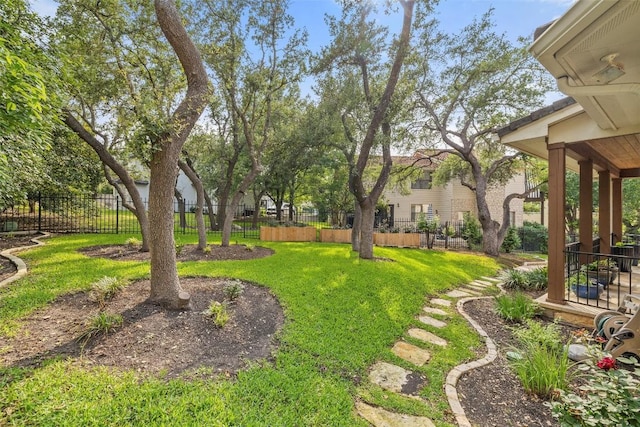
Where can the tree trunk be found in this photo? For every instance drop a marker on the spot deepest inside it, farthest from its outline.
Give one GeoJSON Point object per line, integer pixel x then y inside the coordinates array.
{"type": "Point", "coordinates": [182, 211]}
{"type": "Point", "coordinates": [165, 285]}
{"type": "Point", "coordinates": [490, 241]}
{"type": "Point", "coordinates": [212, 215]}
{"type": "Point", "coordinates": [197, 183]}
{"type": "Point", "coordinates": [357, 228]}
{"type": "Point", "coordinates": [367, 214]}
{"type": "Point", "coordinates": [223, 204]}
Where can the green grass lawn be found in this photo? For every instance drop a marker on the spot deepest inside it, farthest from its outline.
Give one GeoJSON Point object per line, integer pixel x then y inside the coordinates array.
{"type": "Point", "coordinates": [342, 315]}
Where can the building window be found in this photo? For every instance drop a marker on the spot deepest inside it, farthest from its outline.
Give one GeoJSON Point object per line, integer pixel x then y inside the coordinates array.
{"type": "Point", "coordinates": [423, 183]}
{"type": "Point", "coordinates": [416, 210]}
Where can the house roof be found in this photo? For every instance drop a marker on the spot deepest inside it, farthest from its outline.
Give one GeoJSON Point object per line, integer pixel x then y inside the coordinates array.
{"type": "Point", "coordinates": [536, 115]}
{"type": "Point", "coordinates": [592, 52]}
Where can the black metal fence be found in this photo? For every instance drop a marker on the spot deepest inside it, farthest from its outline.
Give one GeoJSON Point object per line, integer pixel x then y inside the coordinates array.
{"type": "Point", "coordinates": [106, 214]}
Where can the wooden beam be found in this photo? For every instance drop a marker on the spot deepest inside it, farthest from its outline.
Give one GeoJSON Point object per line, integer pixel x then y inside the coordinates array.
{"type": "Point", "coordinates": [616, 223]}
{"type": "Point", "coordinates": [604, 214]}
{"type": "Point", "coordinates": [557, 191]}
{"type": "Point", "coordinates": [585, 221]}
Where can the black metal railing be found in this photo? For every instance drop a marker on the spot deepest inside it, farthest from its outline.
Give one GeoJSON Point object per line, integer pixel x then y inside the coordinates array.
{"type": "Point", "coordinates": [596, 279]}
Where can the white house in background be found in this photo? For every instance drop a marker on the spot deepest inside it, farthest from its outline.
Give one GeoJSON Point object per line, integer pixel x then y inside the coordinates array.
{"type": "Point", "coordinates": [449, 202]}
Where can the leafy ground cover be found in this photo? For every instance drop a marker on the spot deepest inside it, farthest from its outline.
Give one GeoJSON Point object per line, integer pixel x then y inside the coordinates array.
{"type": "Point", "coordinates": [341, 315]}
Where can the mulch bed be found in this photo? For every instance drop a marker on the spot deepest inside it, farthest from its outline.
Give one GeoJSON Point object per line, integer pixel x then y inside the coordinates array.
{"type": "Point", "coordinates": [154, 340]}
{"type": "Point", "coordinates": [492, 395]}
{"type": "Point", "coordinates": [185, 253]}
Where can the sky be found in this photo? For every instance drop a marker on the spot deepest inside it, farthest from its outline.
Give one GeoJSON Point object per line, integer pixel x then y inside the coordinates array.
{"type": "Point", "coordinates": [514, 18]}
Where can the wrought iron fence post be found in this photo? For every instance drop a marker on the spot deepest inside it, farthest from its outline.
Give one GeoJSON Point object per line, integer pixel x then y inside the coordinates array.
{"type": "Point", "coordinates": [117, 213]}
{"type": "Point", "coordinates": [39, 211]}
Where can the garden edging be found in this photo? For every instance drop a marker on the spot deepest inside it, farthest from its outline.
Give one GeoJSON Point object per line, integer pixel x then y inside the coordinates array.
{"type": "Point", "coordinates": [454, 375]}
{"type": "Point", "coordinates": [19, 263]}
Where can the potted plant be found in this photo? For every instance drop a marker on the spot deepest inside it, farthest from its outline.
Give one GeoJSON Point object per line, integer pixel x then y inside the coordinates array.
{"type": "Point", "coordinates": [604, 271]}
{"type": "Point", "coordinates": [626, 252]}
{"type": "Point", "coordinates": [583, 287]}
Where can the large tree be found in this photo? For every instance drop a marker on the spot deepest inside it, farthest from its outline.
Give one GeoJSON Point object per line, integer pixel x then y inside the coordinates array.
{"type": "Point", "coordinates": [255, 59]}
{"type": "Point", "coordinates": [133, 99]}
{"type": "Point", "coordinates": [357, 52]}
{"type": "Point", "coordinates": [469, 85]}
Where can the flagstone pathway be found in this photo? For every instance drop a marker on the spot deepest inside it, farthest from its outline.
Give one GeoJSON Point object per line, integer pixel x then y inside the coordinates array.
{"type": "Point", "coordinates": [408, 383]}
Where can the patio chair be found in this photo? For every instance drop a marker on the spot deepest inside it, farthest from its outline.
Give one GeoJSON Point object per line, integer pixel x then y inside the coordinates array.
{"type": "Point", "coordinates": [621, 328]}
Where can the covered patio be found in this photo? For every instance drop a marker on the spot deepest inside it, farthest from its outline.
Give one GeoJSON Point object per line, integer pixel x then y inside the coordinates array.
{"type": "Point", "coordinates": [593, 53]}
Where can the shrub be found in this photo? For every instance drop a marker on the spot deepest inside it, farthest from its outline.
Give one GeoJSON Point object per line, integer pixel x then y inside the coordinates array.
{"type": "Point", "coordinates": [543, 366]}
{"type": "Point", "coordinates": [536, 279]}
{"type": "Point", "coordinates": [105, 289]}
{"type": "Point", "coordinates": [513, 279]}
{"type": "Point", "coordinates": [534, 236]}
{"type": "Point", "coordinates": [610, 397]}
{"type": "Point", "coordinates": [233, 290]}
{"type": "Point", "coordinates": [218, 311]}
{"type": "Point", "coordinates": [547, 336]}
{"type": "Point", "coordinates": [515, 308]}
{"type": "Point", "coordinates": [471, 231]}
{"type": "Point", "coordinates": [511, 240]}
{"type": "Point", "coordinates": [133, 242]}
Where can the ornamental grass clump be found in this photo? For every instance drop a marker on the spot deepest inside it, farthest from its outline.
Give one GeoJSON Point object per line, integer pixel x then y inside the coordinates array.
{"type": "Point", "coordinates": [105, 289]}
{"type": "Point", "coordinates": [100, 324]}
{"type": "Point", "coordinates": [609, 397]}
{"type": "Point", "coordinates": [543, 365]}
{"type": "Point", "coordinates": [516, 308]}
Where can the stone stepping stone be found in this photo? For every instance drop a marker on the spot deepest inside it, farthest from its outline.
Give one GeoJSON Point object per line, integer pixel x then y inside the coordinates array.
{"type": "Point", "coordinates": [476, 287]}
{"type": "Point", "coordinates": [480, 284]}
{"type": "Point", "coordinates": [458, 294]}
{"type": "Point", "coordinates": [427, 320]}
{"type": "Point", "coordinates": [468, 290]}
{"type": "Point", "coordinates": [411, 353]}
{"type": "Point", "coordinates": [441, 302]}
{"type": "Point", "coordinates": [379, 417]}
{"type": "Point", "coordinates": [433, 310]}
{"type": "Point", "coordinates": [396, 379]}
{"type": "Point", "coordinates": [426, 336]}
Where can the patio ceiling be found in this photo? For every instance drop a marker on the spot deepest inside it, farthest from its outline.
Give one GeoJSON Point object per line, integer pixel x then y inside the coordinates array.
{"type": "Point", "coordinates": [593, 53]}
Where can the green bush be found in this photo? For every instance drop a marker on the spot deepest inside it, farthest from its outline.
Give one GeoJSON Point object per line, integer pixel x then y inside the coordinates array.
{"type": "Point", "coordinates": [534, 237]}
{"type": "Point", "coordinates": [471, 231]}
{"type": "Point", "coordinates": [515, 308]}
{"type": "Point", "coordinates": [513, 279]}
{"type": "Point", "coordinates": [105, 289]}
{"type": "Point", "coordinates": [511, 240]}
{"type": "Point", "coordinates": [543, 366]}
{"type": "Point", "coordinates": [537, 279]}
{"type": "Point", "coordinates": [532, 280]}
{"type": "Point", "coordinates": [218, 312]}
